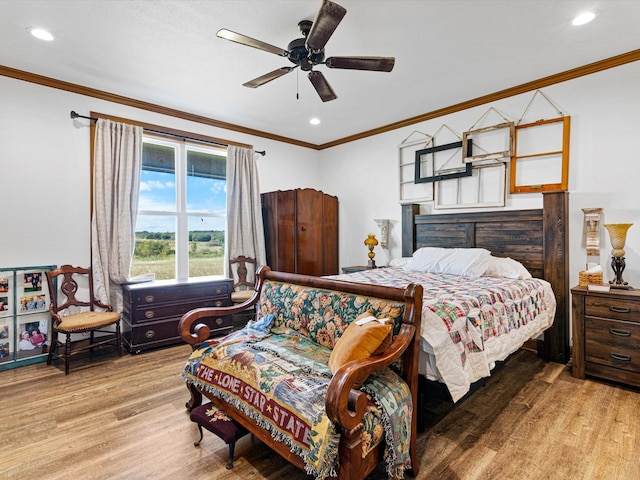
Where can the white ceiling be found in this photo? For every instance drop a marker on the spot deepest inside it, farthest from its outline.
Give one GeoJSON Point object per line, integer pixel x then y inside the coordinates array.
{"type": "Point", "coordinates": [447, 51]}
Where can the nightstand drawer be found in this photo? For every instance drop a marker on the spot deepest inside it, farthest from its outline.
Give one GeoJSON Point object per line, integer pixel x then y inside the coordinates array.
{"type": "Point", "coordinates": [612, 308]}
{"type": "Point", "coordinates": [614, 343]}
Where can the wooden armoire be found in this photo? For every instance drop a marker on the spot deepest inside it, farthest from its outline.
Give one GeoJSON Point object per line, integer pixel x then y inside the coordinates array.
{"type": "Point", "coordinates": [301, 231]}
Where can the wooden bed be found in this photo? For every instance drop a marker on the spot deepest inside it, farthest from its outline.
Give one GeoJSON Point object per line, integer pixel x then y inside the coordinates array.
{"type": "Point", "coordinates": [537, 238]}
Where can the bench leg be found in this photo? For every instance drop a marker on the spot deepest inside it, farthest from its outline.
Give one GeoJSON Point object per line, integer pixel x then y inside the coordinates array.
{"type": "Point", "coordinates": [195, 444]}
{"type": "Point", "coordinates": [232, 447]}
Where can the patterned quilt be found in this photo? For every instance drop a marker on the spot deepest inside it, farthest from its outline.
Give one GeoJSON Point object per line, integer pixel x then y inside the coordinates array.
{"type": "Point", "coordinates": [470, 323]}
{"type": "Point", "coordinates": [280, 381]}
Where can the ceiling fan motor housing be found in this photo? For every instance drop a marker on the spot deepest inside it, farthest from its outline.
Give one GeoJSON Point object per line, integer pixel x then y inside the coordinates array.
{"type": "Point", "coordinates": [299, 54]}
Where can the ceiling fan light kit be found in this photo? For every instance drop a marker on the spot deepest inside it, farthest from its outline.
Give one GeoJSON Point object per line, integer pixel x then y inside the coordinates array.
{"type": "Point", "coordinates": [308, 52]}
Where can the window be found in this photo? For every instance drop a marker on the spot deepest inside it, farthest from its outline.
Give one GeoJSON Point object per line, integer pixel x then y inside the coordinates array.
{"type": "Point", "coordinates": [180, 227]}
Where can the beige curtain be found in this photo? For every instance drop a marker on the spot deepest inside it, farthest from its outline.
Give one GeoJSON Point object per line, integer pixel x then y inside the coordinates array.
{"type": "Point", "coordinates": [116, 184]}
{"type": "Point", "coordinates": [245, 232]}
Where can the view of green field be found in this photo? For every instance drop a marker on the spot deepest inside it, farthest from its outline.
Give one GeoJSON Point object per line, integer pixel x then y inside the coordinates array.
{"type": "Point", "coordinates": [155, 253]}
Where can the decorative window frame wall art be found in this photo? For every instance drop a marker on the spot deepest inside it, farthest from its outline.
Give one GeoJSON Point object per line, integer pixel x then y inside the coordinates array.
{"type": "Point", "coordinates": [495, 141]}
{"type": "Point", "coordinates": [411, 192]}
{"type": "Point", "coordinates": [436, 171]}
{"type": "Point", "coordinates": [486, 139]}
{"type": "Point", "coordinates": [543, 145]}
{"type": "Point", "coordinates": [486, 187]}
{"type": "Point", "coordinates": [439, 161]}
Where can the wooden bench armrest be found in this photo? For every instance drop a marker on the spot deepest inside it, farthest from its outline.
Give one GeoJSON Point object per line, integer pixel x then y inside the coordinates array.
{"type": "Point", "coordinates": [344, 404]}
{"type": "Point", "coordinates": [195, 333]}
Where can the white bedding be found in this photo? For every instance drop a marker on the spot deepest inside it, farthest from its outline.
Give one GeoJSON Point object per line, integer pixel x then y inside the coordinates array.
{"type": "Point", "coordinates": [469, 323]}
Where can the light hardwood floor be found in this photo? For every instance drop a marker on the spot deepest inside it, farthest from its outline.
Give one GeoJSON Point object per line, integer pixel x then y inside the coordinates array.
{"type": "Point", "coordinates": [124, 418]}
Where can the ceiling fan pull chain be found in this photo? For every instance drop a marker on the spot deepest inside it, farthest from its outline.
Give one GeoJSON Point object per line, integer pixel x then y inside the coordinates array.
{"type": "Point", "coordinates": [297, 85]}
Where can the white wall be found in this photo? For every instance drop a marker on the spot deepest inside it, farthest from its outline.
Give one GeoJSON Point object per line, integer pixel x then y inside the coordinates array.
{"type": "Point", "coordinates": [603, 169]}
{"type": "Point", "coordinates": [44, 169]}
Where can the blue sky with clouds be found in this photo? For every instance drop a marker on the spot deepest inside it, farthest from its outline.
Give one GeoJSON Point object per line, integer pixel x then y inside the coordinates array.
{"type": "Point", "coordinates": [158, 194]}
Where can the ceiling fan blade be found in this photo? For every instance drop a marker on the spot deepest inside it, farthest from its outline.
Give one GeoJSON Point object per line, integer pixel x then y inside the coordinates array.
{"type": "Point", "coordinates": [250, 42]}
{"type": "Point", "coordinates": [325, 23]}
{"type": "Point", "coordinates": [378, 64]}
{"type": "Point", "coordinates": [322, 86]}
{"type": "Point", "coordinates": [266, 78]}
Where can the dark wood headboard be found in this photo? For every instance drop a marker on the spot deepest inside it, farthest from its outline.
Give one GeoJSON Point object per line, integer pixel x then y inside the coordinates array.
{"type": "Point", "coordinates": [536, 238]}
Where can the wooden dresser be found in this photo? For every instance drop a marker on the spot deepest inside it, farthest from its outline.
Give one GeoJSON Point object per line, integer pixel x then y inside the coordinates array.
{"type": "Point", "coordinates": [606, 334]}
{"type": "Point", "coordinates": [152, 310]}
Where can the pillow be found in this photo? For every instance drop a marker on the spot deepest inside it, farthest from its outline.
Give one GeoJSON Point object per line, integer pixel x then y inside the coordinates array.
{"type": "Point", "coordinates": [425, 259]}
{"type": "Point", "coordinates": [469, 262]}
{"type": "Point", "coordinates": [507, 268]}
{"type": "Point", "coordinates": [360, 341]}
{"type": "Point", "coordinates": [399, 262]}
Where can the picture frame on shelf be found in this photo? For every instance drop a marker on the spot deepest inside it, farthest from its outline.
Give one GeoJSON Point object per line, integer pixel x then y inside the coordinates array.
{"type": "Point", "coordinates": [32, 296]}
{"type": "Point", "coordinates": [33, 336]}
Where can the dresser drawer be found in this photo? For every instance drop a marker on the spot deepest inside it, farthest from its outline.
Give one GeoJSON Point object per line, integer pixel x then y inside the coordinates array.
{"type": "Point", "coordinates": [152, 313]}
{"type": "Point", "coordinates": [179, 293]}
{"type": "Point", "coordinates": [146, 336]}
{"type": "Point", "coordinates": [612, 342]}
{"type": "Point", "coordinates": [618, 309]}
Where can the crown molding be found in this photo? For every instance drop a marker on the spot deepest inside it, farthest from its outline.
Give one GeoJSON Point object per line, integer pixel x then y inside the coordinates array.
{"type": "Point", "coordinates": [588, 69]}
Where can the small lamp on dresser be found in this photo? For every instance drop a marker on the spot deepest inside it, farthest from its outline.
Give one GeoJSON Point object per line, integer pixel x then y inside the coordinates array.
{"type": "Point", "coordinates": [618, 236]}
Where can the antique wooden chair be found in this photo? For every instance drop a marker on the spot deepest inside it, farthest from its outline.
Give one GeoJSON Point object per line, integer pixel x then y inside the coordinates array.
{"type": "Point", "coordinates": [243, 272]}
{"type": "Point", "coordinates": [74, 315]}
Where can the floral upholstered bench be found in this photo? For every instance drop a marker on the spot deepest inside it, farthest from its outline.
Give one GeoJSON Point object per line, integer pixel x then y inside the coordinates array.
{"type": "Point", "coordinates": [326, 375]}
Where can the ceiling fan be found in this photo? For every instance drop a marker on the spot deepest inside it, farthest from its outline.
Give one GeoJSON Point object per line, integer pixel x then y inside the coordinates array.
{"type": "Point", "coordinates": [308, 51]}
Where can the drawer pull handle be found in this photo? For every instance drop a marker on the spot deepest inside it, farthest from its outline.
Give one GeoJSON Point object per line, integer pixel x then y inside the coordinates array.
{"type": "Point", "coordinates": [149, 334]}
{"type": "Point", "coordinates": [218, 290]}
{"type": "Point", "coordinates": [219, 321]}
{"type": "Point", "coordinates": [149, 298]}
{"type": "Point", "coordinates": [620, 333]}
{"type": "Point", "coordinates": [620, 309]}
{"type": "Point", "coordinates": [619, 356]}
{"type": "Point", "coordinates": [149, 314]}
{"type": "Point", "coordinates": [219, 303]}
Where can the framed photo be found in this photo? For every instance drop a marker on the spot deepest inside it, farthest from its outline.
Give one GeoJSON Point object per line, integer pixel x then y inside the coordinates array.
{"type": "Point", "coordinates": [32, 282]}
{"type": "Point", "coordinates": [4, 284]}
{"type": "Point", "coordinates": [6, 295]}
{"type": "Point", "coordinates": [6, 340]}
{"type": "Point", "coordinates": [31, 295]}
{"type": "Point", "coordinates": [33, 336]}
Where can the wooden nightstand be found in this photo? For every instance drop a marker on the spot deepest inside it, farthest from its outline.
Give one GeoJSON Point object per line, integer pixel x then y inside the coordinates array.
{"type": "Point", "coordinates": [606, 334]}
{"type": "Point", "coordinates": [356, 268]}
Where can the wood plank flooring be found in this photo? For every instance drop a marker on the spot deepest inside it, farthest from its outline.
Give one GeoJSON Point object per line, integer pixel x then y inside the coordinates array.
{"type": "Point", "coordinates": [124, 418]}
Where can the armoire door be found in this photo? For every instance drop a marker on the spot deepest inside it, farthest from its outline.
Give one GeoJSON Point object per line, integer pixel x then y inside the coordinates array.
{"type": "Point", "coordinates": [309, 253]}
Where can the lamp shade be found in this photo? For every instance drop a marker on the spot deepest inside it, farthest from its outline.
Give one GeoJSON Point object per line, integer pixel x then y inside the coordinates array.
{"type": "Point", "coordinates": [618, 236]}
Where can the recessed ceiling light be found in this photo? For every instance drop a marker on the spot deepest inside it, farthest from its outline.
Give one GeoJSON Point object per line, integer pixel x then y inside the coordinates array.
{"type": "Point", "coordinates": [314, 121]}
{"type": "Point", "coordinates": [584, 17]}
{"type": "Point", "coordinates": [40, 33]}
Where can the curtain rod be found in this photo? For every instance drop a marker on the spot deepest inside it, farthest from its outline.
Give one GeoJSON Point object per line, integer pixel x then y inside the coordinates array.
{"type": "Point", "coordinates": [74, 115]}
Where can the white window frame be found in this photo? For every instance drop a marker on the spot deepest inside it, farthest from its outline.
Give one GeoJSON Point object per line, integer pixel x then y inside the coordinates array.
{"type": "Point", "coordinates": [181, 213]}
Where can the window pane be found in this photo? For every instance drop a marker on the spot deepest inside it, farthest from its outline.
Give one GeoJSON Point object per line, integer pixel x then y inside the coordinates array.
{"type": "Point", "coordinates": [206, 182]}
{"type": "Point", "coordinates": [158, 178]}
{"type": "Point", "coordinates": [155, 250]}
{"type": "Point", "coordinates": [206, 246]}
